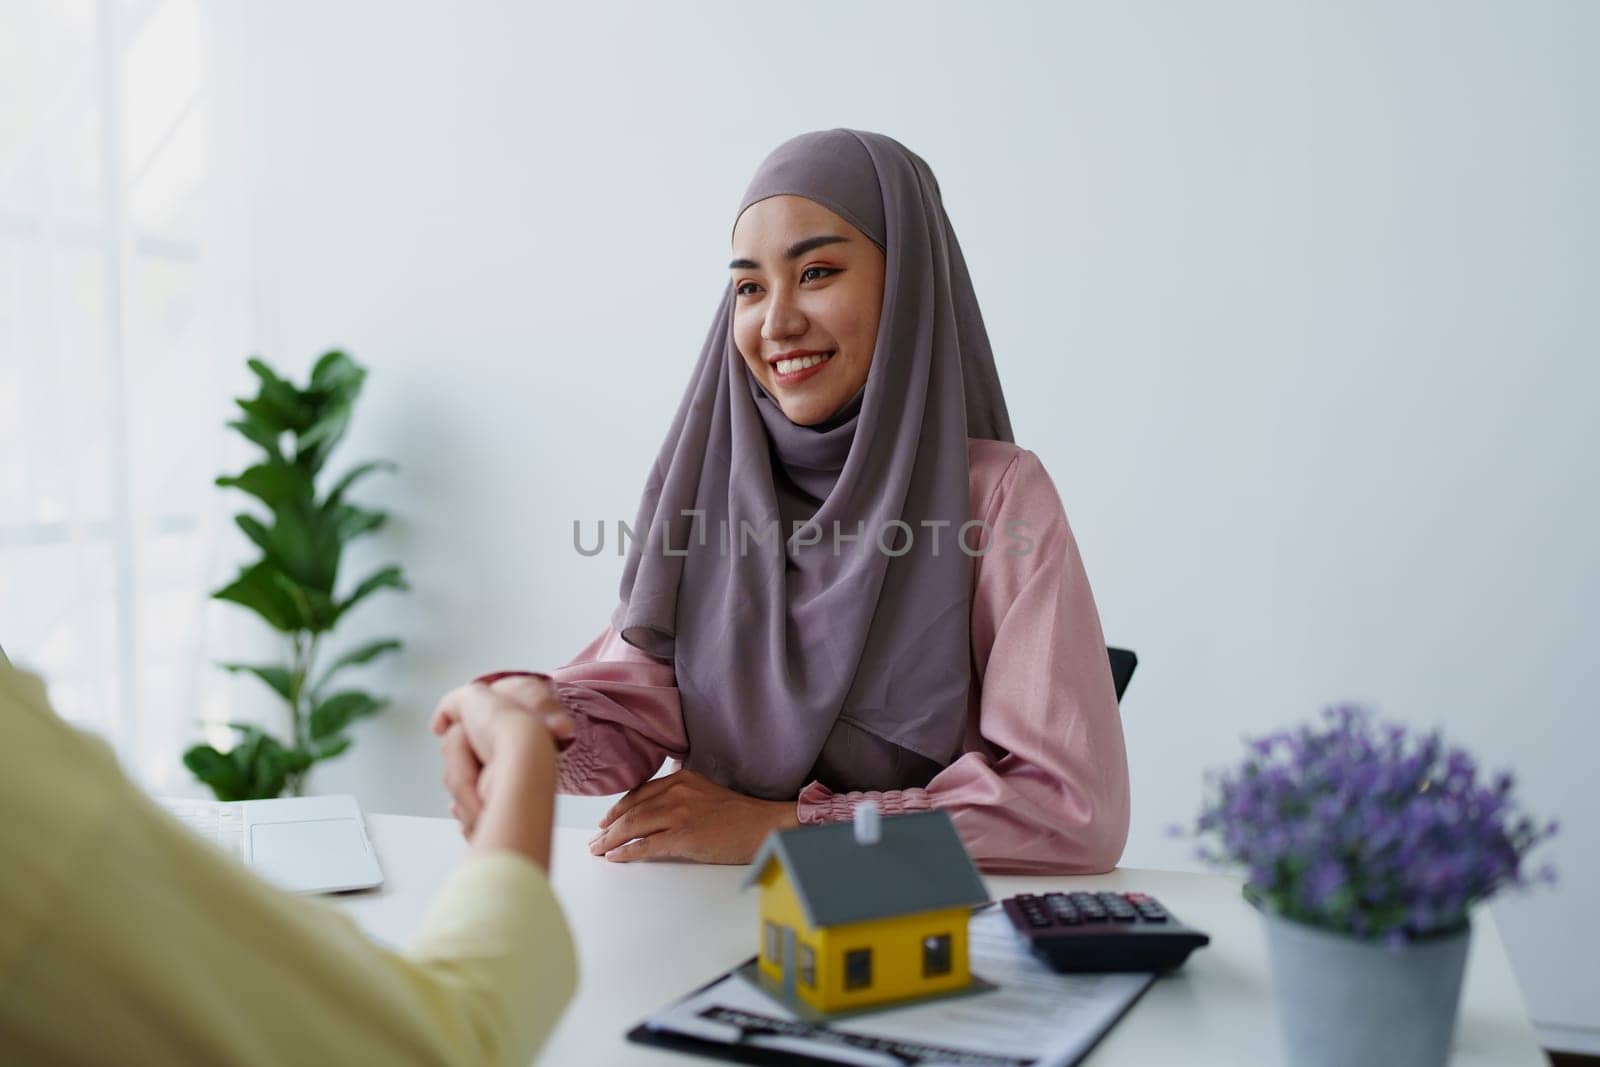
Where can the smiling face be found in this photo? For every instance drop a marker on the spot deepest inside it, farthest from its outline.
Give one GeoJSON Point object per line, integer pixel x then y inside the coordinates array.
{"type": "Point", "coordinates": [808, 289]}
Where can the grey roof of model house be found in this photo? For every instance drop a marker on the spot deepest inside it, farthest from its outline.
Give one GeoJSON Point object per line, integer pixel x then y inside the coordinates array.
{"type": "Point", "coordinates": [918, 864]}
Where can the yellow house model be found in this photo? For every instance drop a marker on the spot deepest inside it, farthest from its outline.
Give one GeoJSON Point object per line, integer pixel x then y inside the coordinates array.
{"type": "Point", "coordinates": [863, 913]}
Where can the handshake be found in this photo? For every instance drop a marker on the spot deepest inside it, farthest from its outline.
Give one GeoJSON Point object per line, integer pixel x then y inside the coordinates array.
{"type": "Point", "coordinates": [499, 736]}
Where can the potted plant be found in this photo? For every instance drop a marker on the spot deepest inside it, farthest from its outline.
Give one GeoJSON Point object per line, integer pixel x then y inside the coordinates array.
{"type": "Point", "coordinates": [1366, 849]}
{"type": "Point", "coordinates": [301, 537]}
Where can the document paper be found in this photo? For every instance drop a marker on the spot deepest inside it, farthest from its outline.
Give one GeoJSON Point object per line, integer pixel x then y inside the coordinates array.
{"type": "Point", "coordinates": [1035, 1018]}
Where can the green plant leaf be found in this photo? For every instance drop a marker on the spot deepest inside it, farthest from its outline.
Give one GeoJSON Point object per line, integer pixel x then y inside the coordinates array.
{"type": "Point", "coordinates": [278, 403]}
{"type": "Point", "coordinates": [352, 522]}
{"type": "Point", "coordinates": [216, 770]}
{"type": "Point", "coordinates": [356, 656]}
{"type": "Point", "coordinates": [264, 763]}
{"type": "Point", "coordinates": [304, 543]}
{"type": "Point", "coordinates": [331, 716]}
{"type": "Point", "coordinates": [333, 417]}
{"type": "Point", "coordinates": [314, 610]}
{"type": "Point", "coordinates": [269, 417]}
{"type": "Point", "coordinates": [328, 747]}
{"type": "Point", "coordinates": [254, 530]}
{"type": "Point", "coordinates": [389, 577]}
{"type": "Point", "coordinates": [337, 375]}
{"type": "Point", "coordinates": [259, 588]}
{"type": "Point", "coordinates": [279, 678]}
{"type": "Point", "coordinates": [261, 432]}
{"type": "Point", "coordinates": [276, 485]}
{"type": "Point", "coordinates": [256, 768]}
{"type": "Point", "coordinates": [313, 446]}
{"type": "Point", "coordinates": [351, 476]}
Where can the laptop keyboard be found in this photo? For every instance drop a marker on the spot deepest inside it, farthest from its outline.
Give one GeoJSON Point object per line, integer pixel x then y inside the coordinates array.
{"type": "Point", "coordinates": [216, 822]}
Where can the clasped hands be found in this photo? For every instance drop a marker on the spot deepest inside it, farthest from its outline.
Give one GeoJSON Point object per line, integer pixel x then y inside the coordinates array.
{"type": "Point", "coordinates": [679, 816]}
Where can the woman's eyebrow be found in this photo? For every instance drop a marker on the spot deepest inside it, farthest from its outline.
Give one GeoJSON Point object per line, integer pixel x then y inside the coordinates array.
{"type": "Point", "coordinates": [796, 250]}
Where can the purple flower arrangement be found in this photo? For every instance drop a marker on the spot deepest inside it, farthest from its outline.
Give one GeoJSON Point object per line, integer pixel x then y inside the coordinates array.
{"type": "Point", "coordinates": [1360, 828]}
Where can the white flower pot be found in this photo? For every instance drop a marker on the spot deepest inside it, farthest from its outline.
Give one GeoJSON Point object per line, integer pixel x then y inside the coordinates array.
{"type": "Point", "coordinates": [1348, 1002]}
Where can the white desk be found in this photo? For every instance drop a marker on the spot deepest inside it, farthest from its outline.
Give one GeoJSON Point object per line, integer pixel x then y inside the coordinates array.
{"type": "Point", "coordinates": [649, 932]}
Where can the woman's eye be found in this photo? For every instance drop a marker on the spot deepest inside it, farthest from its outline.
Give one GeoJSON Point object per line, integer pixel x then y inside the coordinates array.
{"type": "Point", "coordinates": [808, 275]}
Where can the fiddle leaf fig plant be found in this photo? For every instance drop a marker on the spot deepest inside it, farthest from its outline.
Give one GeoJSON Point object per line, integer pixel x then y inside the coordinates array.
{"type": "Point", "coordinates": [293, 586]}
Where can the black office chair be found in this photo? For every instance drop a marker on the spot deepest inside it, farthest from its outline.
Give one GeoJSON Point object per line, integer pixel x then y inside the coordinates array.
{"type": "Point", "coordinates": [1123, 661]}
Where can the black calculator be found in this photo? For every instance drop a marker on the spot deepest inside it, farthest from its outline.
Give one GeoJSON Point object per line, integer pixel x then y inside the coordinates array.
{"type": "Point", "coordinates": [1102, 931]}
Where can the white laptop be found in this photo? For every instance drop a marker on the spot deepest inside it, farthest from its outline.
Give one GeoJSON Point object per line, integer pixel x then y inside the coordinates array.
{"type": "Point", "coordinates": [302, 844]}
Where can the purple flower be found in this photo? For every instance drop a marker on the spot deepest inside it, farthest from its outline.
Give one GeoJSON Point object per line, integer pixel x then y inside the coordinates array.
{"type": "Point", "coordinates": [1361, 827]}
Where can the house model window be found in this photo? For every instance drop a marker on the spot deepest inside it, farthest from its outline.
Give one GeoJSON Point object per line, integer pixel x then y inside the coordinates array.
{"type": "Point", "coordinates": [858, 969]}
{"type": "Point", "coordinates": [773, 943]}
{"type": "Point", "coordinates": [935, 955]}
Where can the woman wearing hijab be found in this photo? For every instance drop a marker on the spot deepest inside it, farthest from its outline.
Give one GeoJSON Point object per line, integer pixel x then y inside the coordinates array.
{"type": "Point", "coordinates": [848, 582]}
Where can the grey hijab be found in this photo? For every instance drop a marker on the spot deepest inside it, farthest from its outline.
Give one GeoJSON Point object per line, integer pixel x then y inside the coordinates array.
{"type": "Point", "coordinates": [772, 649]}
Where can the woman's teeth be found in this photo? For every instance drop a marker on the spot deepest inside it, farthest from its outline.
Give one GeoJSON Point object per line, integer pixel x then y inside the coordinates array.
{"type": "Point", "coordinates": [789, 366]}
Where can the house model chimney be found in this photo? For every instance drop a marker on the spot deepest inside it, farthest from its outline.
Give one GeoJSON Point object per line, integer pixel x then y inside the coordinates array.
{"type": "Point", "coordinates": [866, 823]}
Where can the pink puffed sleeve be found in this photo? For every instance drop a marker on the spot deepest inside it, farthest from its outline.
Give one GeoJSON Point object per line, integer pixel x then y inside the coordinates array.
{"type": "Point", "coordinates": [1042, 786]}
{"type": "Point", "coordinates": [625, 704]}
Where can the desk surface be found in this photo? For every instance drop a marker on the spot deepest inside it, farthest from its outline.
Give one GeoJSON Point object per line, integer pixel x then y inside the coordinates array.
{"type": "Point", "coordinates": [647, 933]}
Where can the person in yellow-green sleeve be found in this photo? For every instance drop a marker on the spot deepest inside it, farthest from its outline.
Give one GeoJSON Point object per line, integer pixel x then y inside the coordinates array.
{"type": "Point", "coordinates": [126, 940]}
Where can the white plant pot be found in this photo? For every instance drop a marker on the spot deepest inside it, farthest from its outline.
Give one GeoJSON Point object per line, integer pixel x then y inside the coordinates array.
{"type": "Point", "coordinates": [1348, 1002]}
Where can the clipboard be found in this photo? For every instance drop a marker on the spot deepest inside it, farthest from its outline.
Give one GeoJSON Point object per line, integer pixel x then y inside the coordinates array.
{"type": "Point", "coordinates": [1074, 1012]}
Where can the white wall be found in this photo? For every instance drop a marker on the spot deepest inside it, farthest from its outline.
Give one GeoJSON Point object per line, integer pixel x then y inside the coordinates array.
{"type": "Point", "coordinates": [1294, 300]}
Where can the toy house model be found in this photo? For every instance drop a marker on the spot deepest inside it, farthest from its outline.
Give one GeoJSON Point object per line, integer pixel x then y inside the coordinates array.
{"type": "Point", "coordinates": [858, 914]}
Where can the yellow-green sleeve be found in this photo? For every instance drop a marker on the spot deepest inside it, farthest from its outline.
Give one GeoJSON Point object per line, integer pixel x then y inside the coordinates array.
{"type": "Point", "coordinates": [125, 940]}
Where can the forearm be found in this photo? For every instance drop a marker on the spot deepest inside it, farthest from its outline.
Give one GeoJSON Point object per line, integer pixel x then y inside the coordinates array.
{"type": "Point", "coordinates": [626, 719]}
{"type": "Point", "coordinates": [606, 758]}
{"type": "Point", "coordinates": [1012, 818]}
{"type": "Point", "coordinates": [207, 946]}
{"type": "Point", "coordinates": [629, 712]}
{"type": "Point", "coordinates": [520, 806]}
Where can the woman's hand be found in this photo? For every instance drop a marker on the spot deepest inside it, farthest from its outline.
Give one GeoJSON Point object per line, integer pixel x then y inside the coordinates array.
{"type": "Point", "coordinates": [468, 773]}
{"type": "Point", "coordinates": [687, 816]}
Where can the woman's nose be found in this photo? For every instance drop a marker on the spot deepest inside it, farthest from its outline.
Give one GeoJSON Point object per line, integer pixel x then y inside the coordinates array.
{"type": "Point", "coordinates": [783, 319]}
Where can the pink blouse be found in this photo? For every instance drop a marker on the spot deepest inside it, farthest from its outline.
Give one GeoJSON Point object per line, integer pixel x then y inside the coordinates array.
{"type": "Point", "coordinates": [1042, 783]}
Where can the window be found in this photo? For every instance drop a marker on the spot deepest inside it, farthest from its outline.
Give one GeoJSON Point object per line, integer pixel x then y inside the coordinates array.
{"type": "Point", "coordinates": [774, 943]}
{"type": "Point", "coordinates": [807, 965]}
{"type": "Point", "coordinates": [118, 279]}
{"type": "Point", "coordinates": [858, 968]}
{"type": "Point", "coordinates": [935, 955]}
